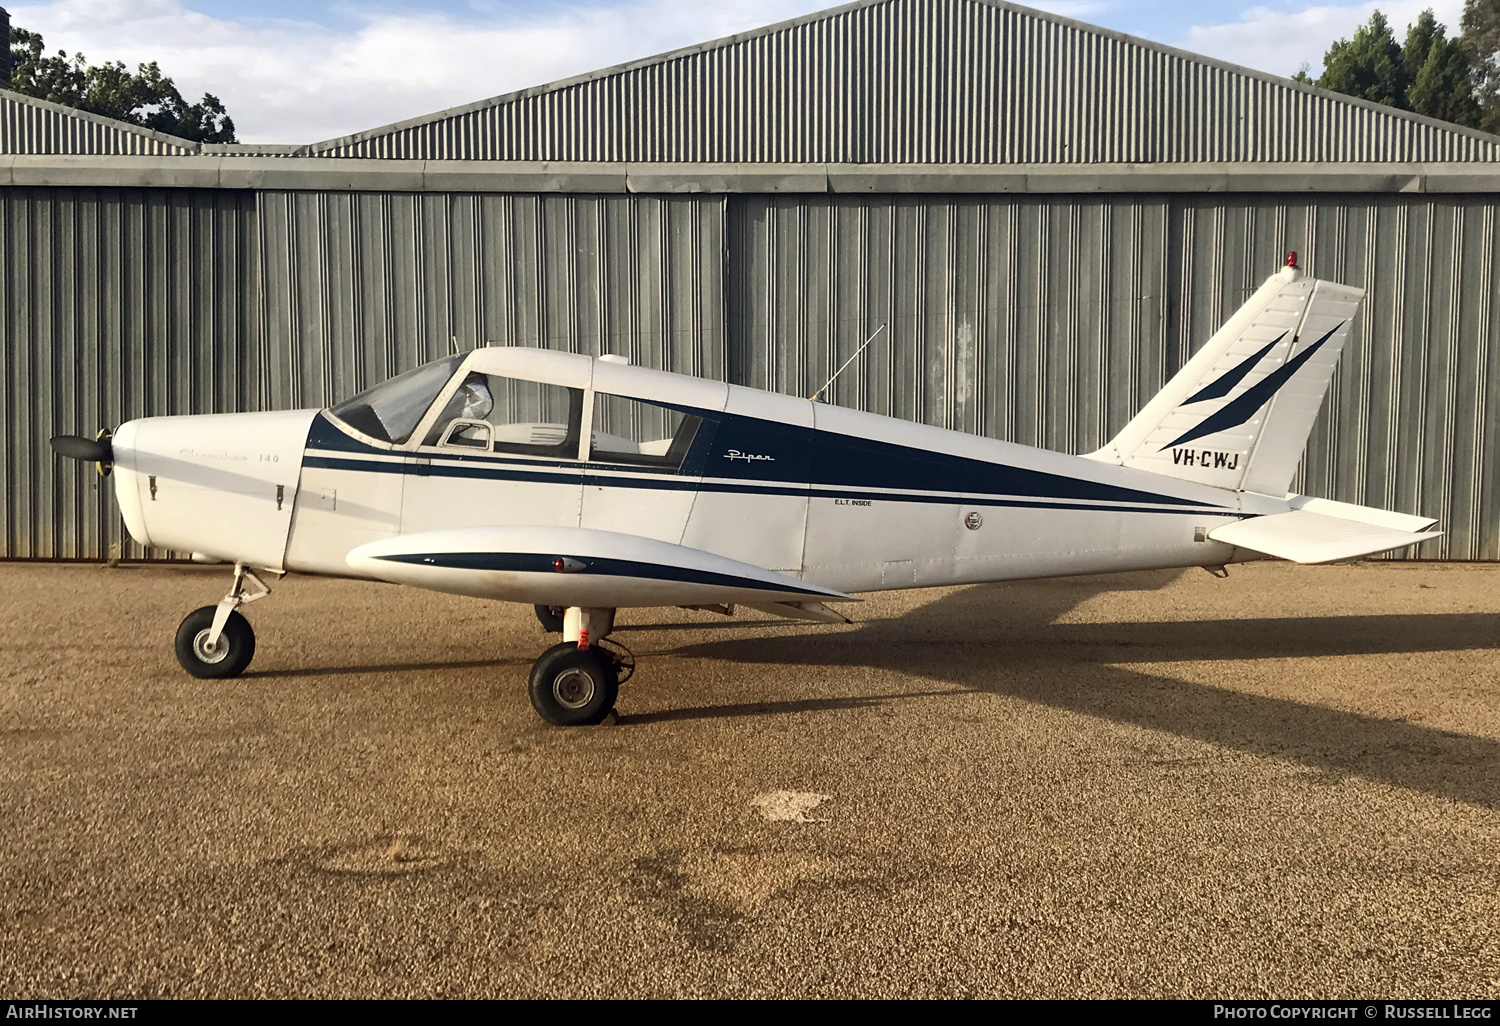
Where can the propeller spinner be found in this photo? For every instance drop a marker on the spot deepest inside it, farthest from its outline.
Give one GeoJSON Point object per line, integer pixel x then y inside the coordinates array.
{"type": "Point", "coordinates": [98, 451]}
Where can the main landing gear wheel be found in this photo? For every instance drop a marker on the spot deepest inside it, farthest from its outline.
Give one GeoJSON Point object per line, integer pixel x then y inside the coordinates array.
{"type": "Point", "coordinates": [227, 658]}
{"type": "Point", "coordinates": [550, 617]}
{"type": "Point", "coordinates": [573, 687]}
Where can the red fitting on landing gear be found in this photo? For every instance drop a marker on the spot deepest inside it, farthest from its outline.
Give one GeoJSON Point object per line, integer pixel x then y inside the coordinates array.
{"type": "Point", "coordinates": [583, 641]}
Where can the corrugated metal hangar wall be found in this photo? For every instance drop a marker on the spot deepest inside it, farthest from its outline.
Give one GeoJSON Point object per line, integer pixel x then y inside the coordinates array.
{"type": "Point", "coordinates": [1048, 217]}
{"type": "Point", "coordinates": [1044, 320]}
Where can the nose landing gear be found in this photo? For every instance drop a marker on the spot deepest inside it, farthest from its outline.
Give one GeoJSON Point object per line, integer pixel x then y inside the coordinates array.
{"type": "Point", "coordinates": [214, 642]}
{"type": "Point", "coordinates": [576, 683]}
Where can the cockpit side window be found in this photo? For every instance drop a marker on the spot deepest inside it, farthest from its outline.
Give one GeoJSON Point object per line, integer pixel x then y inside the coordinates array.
{"type": "Point", "coordinates": [498, 414]}
{"type": "Point", "coordinates": [639, 432]}
{"type": "Point", "coordinates": [391, 410]}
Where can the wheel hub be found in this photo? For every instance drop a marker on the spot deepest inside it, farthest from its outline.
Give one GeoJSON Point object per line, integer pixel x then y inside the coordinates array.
{"type": "Point", "coordinates": [573, 688]}
{"type": "Point", "coordinates": [210, 653]}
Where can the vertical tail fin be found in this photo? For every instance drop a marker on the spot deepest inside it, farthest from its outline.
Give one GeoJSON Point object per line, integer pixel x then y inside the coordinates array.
{"type": "Point", "coordinates": [1238, 414]}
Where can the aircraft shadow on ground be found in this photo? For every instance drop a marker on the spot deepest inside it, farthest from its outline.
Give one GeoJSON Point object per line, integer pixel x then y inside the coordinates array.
{"type": "Point", "coordinates": [1001, 639]}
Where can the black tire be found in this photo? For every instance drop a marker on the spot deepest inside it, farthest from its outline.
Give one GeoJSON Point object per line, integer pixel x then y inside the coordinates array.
{"type": "Point", "coordinates": [235, 650]}
{"type": "Point", "coordinates": [572, 688]}
{"type": "Point", "coordinates": [550, 617]}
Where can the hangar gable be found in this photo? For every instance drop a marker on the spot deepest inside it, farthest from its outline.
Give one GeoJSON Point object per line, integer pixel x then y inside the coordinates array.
{"type": "Point", "coordinates": [924, 82]}
{"type": "Point", "coordinates": [32, 126]}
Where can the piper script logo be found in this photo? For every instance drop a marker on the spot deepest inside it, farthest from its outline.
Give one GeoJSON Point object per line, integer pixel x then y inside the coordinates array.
{"type": "Point", "coordinates": [1206, 458]}
{"type": "Point", "coordinates": [735, 454]}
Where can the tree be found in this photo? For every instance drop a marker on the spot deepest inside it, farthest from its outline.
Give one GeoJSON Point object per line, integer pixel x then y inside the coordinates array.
{"type": "Point", "coordinates": [1481, 44]}
{"type": "Point", "coordinates": [1419, 39]}
{"type": "Point", "coordinates": [1430, 74]}
{"type": "Point", "coordinates": [1368, 66]}
{"type": "Point", "coordinates": [1439, 81]}
{"type": "Point", "coordinates": [144, 97]}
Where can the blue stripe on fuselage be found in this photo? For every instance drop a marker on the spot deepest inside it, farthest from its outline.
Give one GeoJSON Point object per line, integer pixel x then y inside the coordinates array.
{"type": "Point", "coordinates": [835, 460]}
{"type": "Point", "coordinates": [837, 466]}
{"type": "Point", "coordinates": [582, 476]}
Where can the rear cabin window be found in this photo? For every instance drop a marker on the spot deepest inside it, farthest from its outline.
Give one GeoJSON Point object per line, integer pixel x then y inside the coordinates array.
{"type": "Point", "coordinates": [640, 433]}
{"type": "Point", "coordinates": [490, 413]}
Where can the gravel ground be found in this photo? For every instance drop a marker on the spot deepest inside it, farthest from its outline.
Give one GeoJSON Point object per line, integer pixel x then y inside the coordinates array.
{"type": "Point", "coordinates": [1283, 784]}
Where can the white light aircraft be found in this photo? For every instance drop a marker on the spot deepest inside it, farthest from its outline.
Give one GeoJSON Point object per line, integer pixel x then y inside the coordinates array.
{"type": "Point", "coordinates": [583, 485]}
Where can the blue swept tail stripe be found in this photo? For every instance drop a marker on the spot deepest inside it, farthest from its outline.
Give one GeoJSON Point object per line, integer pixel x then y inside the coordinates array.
{"type": "Point", "coordinates": [1235, 413]}
{"type": "Point", "coordinates": [1224, 384]}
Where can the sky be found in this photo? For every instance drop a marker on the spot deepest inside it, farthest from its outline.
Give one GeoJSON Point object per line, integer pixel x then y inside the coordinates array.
{"type": "Point", "coordinates": [299, 71]}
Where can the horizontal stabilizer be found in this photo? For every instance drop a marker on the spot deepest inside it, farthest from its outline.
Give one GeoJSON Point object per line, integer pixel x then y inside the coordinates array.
{"type": "Point", "coordinates": [1362, 514]}
{"type": "Point", "coordinates": [1307, 537]}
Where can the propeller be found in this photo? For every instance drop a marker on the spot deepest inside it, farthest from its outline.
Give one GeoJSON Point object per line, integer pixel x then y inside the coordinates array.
{"type": "Point", "coordinates": [99, 451]}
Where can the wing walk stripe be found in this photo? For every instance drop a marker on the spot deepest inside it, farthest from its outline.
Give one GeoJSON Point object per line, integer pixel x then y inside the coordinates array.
{"type": "Point", "coordinates": [1235, 413]}
{"type": "Point", "coordinates": [749, 488]}
{"type": "Point", "coordinates": [1225, 383]}
{"type": "Point", "coordinates": [531, 563]}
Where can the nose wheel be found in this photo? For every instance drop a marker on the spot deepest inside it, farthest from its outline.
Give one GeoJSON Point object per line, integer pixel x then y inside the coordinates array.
{"type": "Point", "coordinates": [214, 642]}
{"type": "Point", "coordinates": [211, 658]}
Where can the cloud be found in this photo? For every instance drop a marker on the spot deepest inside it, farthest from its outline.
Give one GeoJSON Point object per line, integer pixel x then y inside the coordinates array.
{"type": "Point", "coordinates": [1079, 10]}
{"type": "Point", "coordinates": [1280, 42]}
{"type": "Point", "coordinates": [285, 80]}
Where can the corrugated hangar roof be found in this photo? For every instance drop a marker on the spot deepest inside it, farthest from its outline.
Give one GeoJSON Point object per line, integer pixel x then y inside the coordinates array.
{"type": "Point", "coordinates": [29, 125]}
{"type": "Point", "coordinates": [923, 82]}
{"type": "Point", "coordinates": [878, 95]}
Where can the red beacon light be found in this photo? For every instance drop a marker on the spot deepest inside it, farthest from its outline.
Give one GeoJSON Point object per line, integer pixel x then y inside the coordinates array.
{"type": "Point", "coordinates": [1291, 258]}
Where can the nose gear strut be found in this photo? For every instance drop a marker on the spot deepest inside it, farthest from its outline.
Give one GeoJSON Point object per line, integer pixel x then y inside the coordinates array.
{"type": "Point", "coordinates": [238, 596]}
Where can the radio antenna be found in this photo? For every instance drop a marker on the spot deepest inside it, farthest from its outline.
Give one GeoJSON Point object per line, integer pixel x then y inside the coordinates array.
{"type": "Point", "coordinates": [818, 395]}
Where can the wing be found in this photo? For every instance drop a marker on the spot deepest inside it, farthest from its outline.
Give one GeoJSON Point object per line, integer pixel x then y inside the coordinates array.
{"type": "Point", "coordinates": [577, 566]}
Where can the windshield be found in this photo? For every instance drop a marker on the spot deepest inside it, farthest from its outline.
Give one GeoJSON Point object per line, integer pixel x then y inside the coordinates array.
{"type": "Point", "coordinates": [390, 411]}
